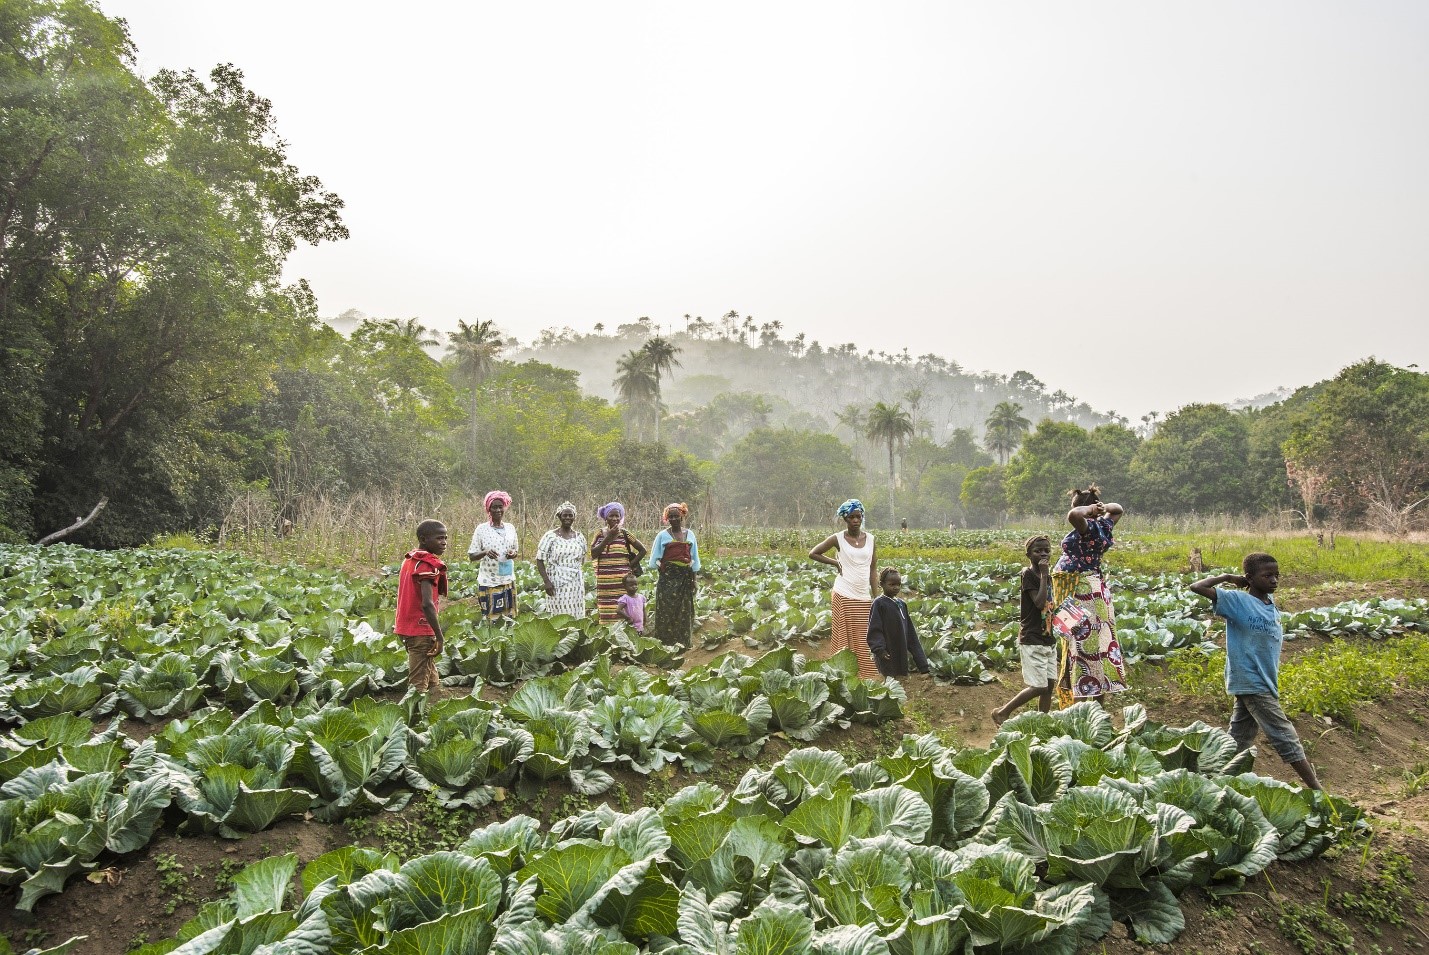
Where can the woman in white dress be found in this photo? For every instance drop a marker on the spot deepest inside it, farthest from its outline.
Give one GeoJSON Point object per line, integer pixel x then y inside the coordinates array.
{"type": "Point", "coordinates": [852, 595]}
{"type": "Point", "coordinates": [560, 559]}
{"type": "Point", "coordinates": [494, 545]}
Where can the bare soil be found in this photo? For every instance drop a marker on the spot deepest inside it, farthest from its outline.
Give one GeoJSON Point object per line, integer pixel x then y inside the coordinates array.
{"type": "Point", "coordinates": [147, 895]}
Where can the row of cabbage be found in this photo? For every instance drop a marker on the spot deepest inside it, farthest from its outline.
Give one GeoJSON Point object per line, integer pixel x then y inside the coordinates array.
{"type": "Point", "coordinates": [1037, 843]}
{"type": "Point", "coordinates": [967, 612]}
{"type": "Point", "coordinates": [137, 632]}
{"type": "Point", "coordinates": [69, 794]}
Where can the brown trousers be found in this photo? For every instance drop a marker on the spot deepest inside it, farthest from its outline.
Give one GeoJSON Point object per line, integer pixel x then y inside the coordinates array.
{"type": "Point", "coordinates": [421, 667]}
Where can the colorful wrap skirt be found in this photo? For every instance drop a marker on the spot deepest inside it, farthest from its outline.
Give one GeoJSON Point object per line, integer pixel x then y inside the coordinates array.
{"type": "Point", "coordinates": [850, 626]}
{"type": "Point", "coordinates": [674, 619]}
{"type": "Point", "coordinates": [610, 569]}
{"type": "Point", "coordinates": [497, 601]}
{"type": "Point", "coordinates": [1084, 624]}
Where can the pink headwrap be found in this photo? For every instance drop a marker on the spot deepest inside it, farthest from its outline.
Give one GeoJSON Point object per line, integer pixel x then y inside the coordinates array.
{"type": "Point", "coordinates": [491, 496]}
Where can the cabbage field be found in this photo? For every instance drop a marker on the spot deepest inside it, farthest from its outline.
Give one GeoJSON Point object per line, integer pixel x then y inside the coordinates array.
{"type": "Point", "coordinates": [212, 696]}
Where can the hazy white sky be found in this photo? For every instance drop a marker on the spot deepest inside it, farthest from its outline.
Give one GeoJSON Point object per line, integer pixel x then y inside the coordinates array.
{"type": "Point", "coordinates": [1222, 196]}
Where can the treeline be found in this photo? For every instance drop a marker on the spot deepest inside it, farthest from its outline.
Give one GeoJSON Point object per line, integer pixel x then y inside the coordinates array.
{"type": "Point", "coordinates": [150, 354]}
{"type": "Point", "coordinates": [1350, 451]}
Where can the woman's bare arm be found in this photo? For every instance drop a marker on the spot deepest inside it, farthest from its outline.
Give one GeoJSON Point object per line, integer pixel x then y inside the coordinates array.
{"type": "Point", "coordinates": [817, 554]}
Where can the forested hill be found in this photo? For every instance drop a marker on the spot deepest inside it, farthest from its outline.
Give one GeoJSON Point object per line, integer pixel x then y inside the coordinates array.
{"type": "Point", "coordinates": [806, 384]}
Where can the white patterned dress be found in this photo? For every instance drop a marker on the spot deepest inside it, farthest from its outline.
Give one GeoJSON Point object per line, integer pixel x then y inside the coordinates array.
{"type": "Point", "coordinates": [564, 558]}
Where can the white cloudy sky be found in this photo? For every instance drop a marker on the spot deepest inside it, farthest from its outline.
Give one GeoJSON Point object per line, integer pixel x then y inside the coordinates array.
{"type": "Point", "coordinates": [1145, 204]}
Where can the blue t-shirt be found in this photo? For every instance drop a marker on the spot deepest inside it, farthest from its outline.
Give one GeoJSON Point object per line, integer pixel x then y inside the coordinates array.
{"type": "Point", "coordinates": [1253, 639]}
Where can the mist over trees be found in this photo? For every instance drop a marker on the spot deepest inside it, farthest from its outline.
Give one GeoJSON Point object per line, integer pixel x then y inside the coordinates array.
{"type": "Point", "coordinates": [152, 354]}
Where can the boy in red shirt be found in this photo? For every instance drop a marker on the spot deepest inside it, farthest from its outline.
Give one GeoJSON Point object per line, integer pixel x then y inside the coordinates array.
{"type": "Point", "coordinates": [420, 585]}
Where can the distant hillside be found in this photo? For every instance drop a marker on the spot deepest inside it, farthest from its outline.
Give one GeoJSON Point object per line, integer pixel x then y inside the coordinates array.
{"type": "Point", "coordinates": [1262, 401]}
{"type": "Point", "coordinates": [806, 383]}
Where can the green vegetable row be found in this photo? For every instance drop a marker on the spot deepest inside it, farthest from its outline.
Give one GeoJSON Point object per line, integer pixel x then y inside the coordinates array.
{"type": "Point", "coordinates": [69, 795]}
{"type": "Point", "coordinates": [1035, 844]}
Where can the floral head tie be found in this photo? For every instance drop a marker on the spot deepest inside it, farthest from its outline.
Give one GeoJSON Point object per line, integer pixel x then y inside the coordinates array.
{"type": "Point", "coordinates": [849, 506]}
{"type": "Point", "coordinates": [678, 508]}
{"type": "Point", "coordinates": [566, 508]}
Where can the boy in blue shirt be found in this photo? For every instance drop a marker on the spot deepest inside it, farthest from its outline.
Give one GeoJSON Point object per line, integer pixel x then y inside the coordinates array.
{"type": "Point", "coordinates": [1253, 639]}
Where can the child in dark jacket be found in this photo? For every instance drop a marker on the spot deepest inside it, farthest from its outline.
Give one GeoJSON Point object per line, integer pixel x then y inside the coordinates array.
{"type": "Point", "coordinates": [892, 639]}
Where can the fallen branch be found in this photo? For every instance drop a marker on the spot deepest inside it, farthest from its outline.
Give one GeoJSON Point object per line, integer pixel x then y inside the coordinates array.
{"type": "Point", "coordinates": [78, 523]}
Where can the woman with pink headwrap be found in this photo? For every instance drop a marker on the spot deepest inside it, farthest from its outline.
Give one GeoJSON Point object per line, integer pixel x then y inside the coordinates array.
{"type": "Point", "coordinates": [676, 555]}
{"type": "Point", "coordinates": [494, 545]}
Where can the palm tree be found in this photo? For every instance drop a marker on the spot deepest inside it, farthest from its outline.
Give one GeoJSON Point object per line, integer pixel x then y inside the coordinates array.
{"type": "Point", "coordinates": [638, 387]}
{"type": "Point", "coordinates": [473, 348]}
{"type": "Point", "coordinates": [1005, 428]}
{"type": "Point", "coordinates": [893, 426]}
{"type": "Point", "coordinates": [660, 354]}
{"type": "Point", "coordinates": [415, 332]}
{"type": "Point", "coordinates": [854, 418]}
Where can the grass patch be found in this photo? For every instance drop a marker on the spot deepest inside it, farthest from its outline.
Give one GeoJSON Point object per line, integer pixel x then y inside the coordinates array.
{"type": "Point", "coordinates": [1332, 681]}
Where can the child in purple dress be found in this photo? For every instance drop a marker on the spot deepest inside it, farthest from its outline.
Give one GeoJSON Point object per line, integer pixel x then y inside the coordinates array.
{"type": "Point", "coordinates": [631, 604]}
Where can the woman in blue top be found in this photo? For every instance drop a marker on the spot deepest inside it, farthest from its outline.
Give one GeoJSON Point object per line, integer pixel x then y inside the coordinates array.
{"type": "Point", "coordinates": [676, 556]}
{"type": "Point", "coordinates": [1082, 617]}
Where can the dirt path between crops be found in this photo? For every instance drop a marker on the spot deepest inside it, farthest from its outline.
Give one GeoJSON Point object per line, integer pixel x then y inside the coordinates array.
{"type": "Point", "coordinates": [1384, 768]}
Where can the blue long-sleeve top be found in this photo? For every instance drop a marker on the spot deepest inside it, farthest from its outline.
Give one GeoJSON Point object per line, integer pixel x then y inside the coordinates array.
{"type": "Point", "coordinates": [657, 549]}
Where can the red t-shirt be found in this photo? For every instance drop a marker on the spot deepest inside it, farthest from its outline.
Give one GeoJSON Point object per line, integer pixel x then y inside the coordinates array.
{"type": "Point", "coordinates": [417, 566]}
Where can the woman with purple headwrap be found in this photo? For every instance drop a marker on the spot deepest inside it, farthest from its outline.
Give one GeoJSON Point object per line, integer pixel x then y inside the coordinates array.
{"type": "Point", "coordinates": [494, 545]}
{"type": "Point", "coordinates": [616, 554]}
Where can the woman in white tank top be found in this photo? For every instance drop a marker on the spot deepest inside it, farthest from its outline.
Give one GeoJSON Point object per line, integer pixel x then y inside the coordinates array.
{"type": "Point", "coordinates": [852, 595]}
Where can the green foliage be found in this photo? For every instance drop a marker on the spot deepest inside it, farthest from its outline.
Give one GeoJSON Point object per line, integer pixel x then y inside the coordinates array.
{"type": "Point", "coordinates": [1361, 442]}
{"type": "Point", "coordinates": [145, 238]}
{"type": "Point", "coordinates": [1196, 462]}
{"type": "Point", "coordinates": [1059, 456]}
{"type": "Point", "coordinates": [984, 495]}
{"type": "Point", "coordinates": [1334, 681]}
{"type": "Point", "coordinates": [800, 475]}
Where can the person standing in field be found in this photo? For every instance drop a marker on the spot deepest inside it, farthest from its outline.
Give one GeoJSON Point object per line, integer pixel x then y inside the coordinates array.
{"type": "Point", "coordinates": [616, 554]}
{"type": "Point", "coordinates": [631, 605]}
{"type": "Point", "coordinates": [493, 543]}
{"type": "Point", "coordinates": [1082, 617]}
{"type": "Point", "coordinates": [1253, 642]}
{"type": "Point", "coordinates": [892, 638]}
{"type": "Point", "coordinates": [421, 584]}
{"type": "Point", "coordinates": [852, 594]}
{"type": "Point", "coordinates": [1038, 649]}
{"type": "Point", "coordinates": [560, 560]}
{"type": "Point", "coordinates": [676, 555]}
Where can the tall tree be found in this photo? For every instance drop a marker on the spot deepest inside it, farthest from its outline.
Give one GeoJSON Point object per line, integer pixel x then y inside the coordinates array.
{"type": "Point", "coordinates": [473, 349]}
{"type": "Point", "coordinates": [1005, 428]}
{"type": "Point", "coordinates": [143, 232]}
{"type": "Point", "coordinates": [660, 355]}
{"type": "Point", "coordinates": [891, 425]}
{"type": "Point", "coordinates": [638, 388]}
{"type": "Point", "coordinates": [1363, 440]}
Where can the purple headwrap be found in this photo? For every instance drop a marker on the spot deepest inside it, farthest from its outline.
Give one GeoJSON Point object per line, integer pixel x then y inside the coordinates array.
{"type": "Point", "coordinates": [491, 496]}
{"type": "Point", "coordinates": [614, 507]}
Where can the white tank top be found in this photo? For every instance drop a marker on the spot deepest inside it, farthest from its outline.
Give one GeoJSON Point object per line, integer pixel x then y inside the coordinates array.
{"type": "Point", "coordinates": [854, 564]}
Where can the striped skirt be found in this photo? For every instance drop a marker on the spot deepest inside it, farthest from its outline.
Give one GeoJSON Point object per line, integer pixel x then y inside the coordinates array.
{"type": "Point", "coordinates": [850, 624]}
{"type": "Point", "coordinates": [610, 570]}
